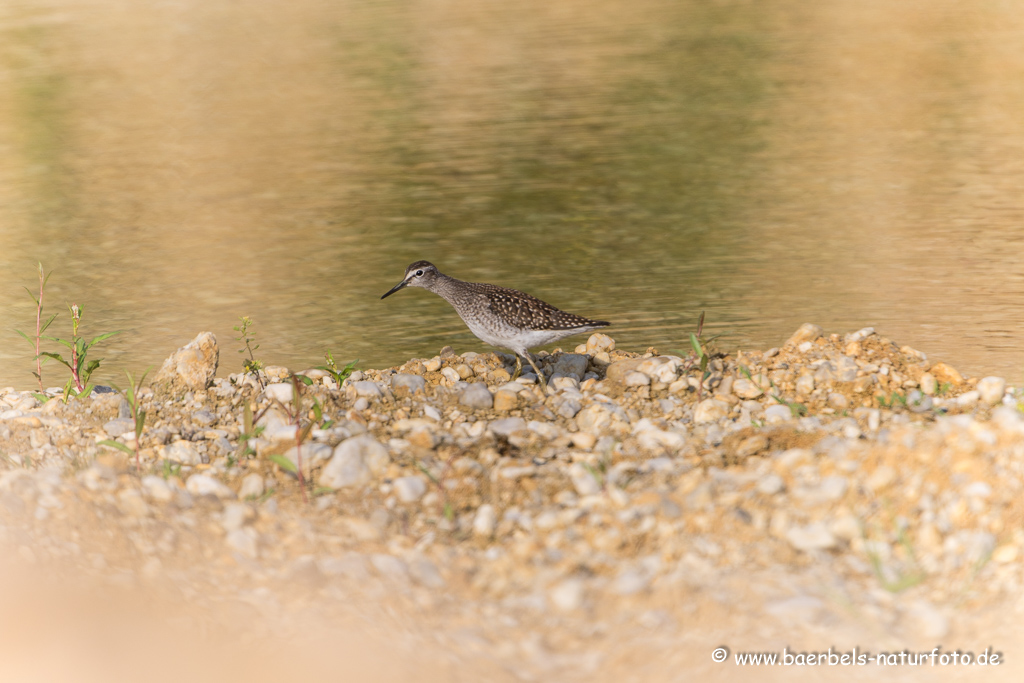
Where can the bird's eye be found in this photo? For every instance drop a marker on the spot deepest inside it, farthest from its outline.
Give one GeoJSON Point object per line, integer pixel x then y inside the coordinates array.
{"type": "Point", "coordinates": [419, 273]}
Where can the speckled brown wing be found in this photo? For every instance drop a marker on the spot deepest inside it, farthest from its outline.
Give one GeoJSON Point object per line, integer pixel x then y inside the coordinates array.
{"type": "Point", "coordinates": [528, 312]}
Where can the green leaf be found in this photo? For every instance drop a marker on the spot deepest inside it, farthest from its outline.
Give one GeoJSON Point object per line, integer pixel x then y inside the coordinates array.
{"type": "Point", "coordinates": [114, 444]}
{"type": "Point", "coordinates": [140, 422]}
{"type": "Point", "coordinates": [47, 323]}
{"type": "Point", "coordinates": [27, 338]}
{"type": "Point", "coordinates": [106, 335]}
{"type": "Point", "coordinates": [284, 463]}
{"type": "Point", "coordinates": [322, 490]}
{"type": "Point", "coordinates": [57, 357]}
{"type": "Point", "coordinates": [696, 345]}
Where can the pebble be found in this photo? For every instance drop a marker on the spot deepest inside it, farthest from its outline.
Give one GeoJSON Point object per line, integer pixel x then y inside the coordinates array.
{"type": "Point", "coordinates": [505, 427]}
{"type": "Point", "coordinates": [367, 389]}
{"type": "Point", "coordinates": [805, 333]}
{"type": "Point", "coordinates": [157, 489]}
{"type": "Point", "coordinates": [599, 342]}
{"type": "Point", "coordinates": [354, 463]}
{"type": "Point", "coordinates": [991, 390]}
{"type": "Point", "coordinates": [505, 401]}
{"type": "Point", "coordinates": [119, 427]}
{"type": "Point", "coordinates": [204, 485]}
{"type": "Point", "coordinates": [744, 388]}
{"type": "Point", "coordinates": [777, 413]}
{"type": "Point", "coordinates": [181, 452]}
{"type": "Point", "coordinates": [190, 368]}
{"type": "Point", "coordinates": [236, 515]}
{"type": "Point", "coordinates": [409, 489]}
{"type": "Point", "coordinates": [476, 396]}
{"type": "Point", "coordinates": [946, 373]}
{"type": "Point", "coordinates": [583, 480]}
{"type": "Point", "coordinates": [567, 596]}
{"type": "Point", "coordinates": [282, 392]}
{"type": "Point", "coordinates": [485, 521]}
{"type": "Point", "coordinates": [813, 536]}
{"type": "Point", "coordinates": [252, 486]}
{"type": "Point", "coordinates": [929, 385]}
{"type": "Point", "coordinates": [770, 484]}
{"type": "Point", "coordinates": [710, 410]}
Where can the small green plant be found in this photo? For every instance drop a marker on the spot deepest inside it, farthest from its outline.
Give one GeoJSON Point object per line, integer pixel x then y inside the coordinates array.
{"type": "Point", "coordinates": [894, 399]}
{"type": "Point", "coordinates": [81, 368]}
{"type": "Point", "coordinates": [296, 412]}
{"type": "Point", "coordinates": [131, 394]}
{"type": "Point", "coordinates": [41, 326]}
{"type": "Point", "coordinates": [171, 469]}
{"type": "Point", "coordinates": [943, 388]}
{"type": "Point", "coordinates": [795, 407]}
{"type": "Point", "coordinates": [903, 579]}
{"type": "Point", "coordinates": [701, 355]}
{"type": "Point", "coordinates": [250, 431]}
{"type": "Point", "coordinates": [247, 337]}
{"type": "Point", "coordinates": [338, 375]}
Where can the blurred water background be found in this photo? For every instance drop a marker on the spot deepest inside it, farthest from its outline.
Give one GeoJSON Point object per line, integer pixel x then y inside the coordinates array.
{"type": "Point", "coordinates": [177, 164]}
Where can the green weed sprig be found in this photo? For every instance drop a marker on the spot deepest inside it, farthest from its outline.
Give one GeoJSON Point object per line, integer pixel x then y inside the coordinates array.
{"type": "Point", "coordinates": [250, 364]}
{"type": "Point", "coordinates": [131, 394]}
{"type": "Point", "coordinates": [40, 328]}
{"type": "Point", "coordinates": [81, 369]}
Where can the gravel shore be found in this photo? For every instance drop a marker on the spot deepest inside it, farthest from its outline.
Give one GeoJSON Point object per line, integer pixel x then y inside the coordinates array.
{"type": "Point", "coordinates": [837, 491]}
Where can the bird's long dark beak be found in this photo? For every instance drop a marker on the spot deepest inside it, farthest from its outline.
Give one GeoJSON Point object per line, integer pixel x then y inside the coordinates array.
{"type": "Point", "coordinates": [394, 289]}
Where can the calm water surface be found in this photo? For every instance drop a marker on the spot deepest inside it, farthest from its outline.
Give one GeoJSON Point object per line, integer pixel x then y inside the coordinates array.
{"type": "Point", "coordinates": [180, 164]}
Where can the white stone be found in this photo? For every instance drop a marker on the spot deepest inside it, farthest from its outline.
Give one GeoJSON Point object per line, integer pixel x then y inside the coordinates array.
{"type": "Point", "coordinates": [354, 463]}
{"type": "Point", "coordinates": [204, 484]}
{"type": "Point", "coordinates": [157, 489]}
{"type": "Point", "coordinates": [280, 392]}
{"type": "Point", "coordinates": [567, 595]}
{"type": "Point", "coordinates": [710, 410]}
{"type": "Point", "coordinates": [991, 390]}
{"type": "Point", "coordinates": [182, 452]}
{"type": "Point", "coordinates": [409, 489]}
{"type": "Point", "coordinates": [814, 536]}
{"type": "Point", "coordinates": [485, 521]}
{"type": "Point", "coordinates": [236, 516]}
{"type": "Point", "coordinates": [777, 413]}
{"type": "Point", "coordinates": [252, 486]}
{"type": "Point", "coordinates": [584, 482]}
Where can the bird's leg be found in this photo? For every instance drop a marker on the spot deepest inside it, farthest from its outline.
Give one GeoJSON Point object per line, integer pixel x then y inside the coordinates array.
{"type": "Point", "coordinates": [519, 368]}
{"type": "Point", "coordinates": [540, 375]}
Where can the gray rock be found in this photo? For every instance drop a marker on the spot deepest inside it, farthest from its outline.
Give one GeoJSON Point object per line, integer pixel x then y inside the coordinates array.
{"type": "Point", "coordinates": [476, 396]}
{"type": "Point", "coordinates": [414, 384]}
{"type": "Point", "coordinates": [366, 389]}
{"type": "Point", "coordinates": [354, 462]}
{"type": "Point", "coordinates": [409, 489]}
{"type": "Point", "coordinates": [182, 452]}
{"type": "Point", "coordinates": [425, 573]}
{"type": "Point", "coordinates": [313, 453]}
{"type": "Point", "coordinates": [205, 485]}
{"type": "Point", "coordinates": [636, 379]}
{"type": "Point", "coordinates": [506, 426]}
{"type": "Point", "coordinates": [204, 417]}
{"type": "Point", "coordinates": [119, 427]}
{"type": "Point", "coordinates": [190, 368]}
{"type": "Point", "coordinates": [568, 407]}
{"type": "Point", "coordinates": [252, 486]}
{"type": "Point", "coordinates": [846, 369]}
{"type": "Point", "coordinates": [571, 365]}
